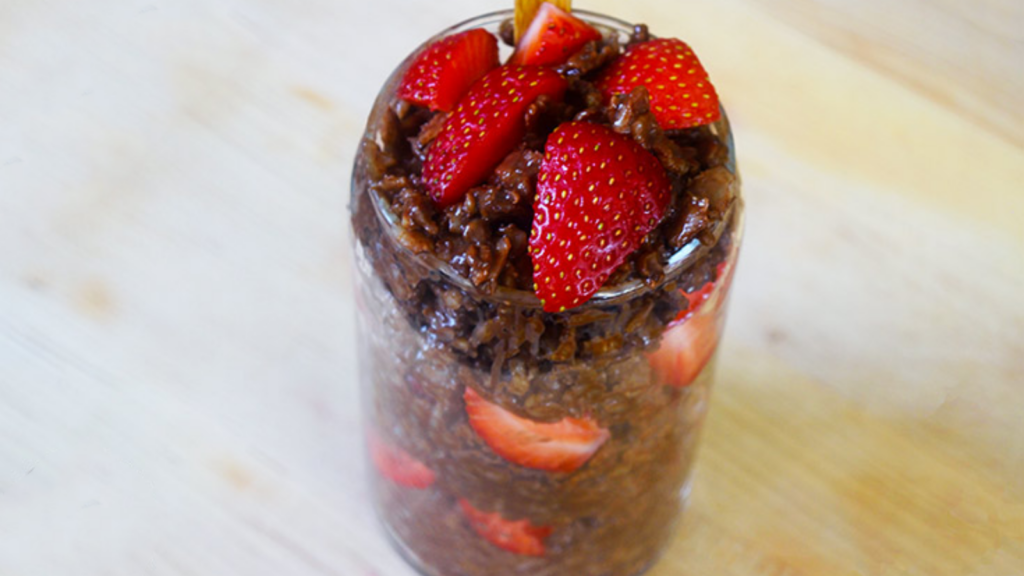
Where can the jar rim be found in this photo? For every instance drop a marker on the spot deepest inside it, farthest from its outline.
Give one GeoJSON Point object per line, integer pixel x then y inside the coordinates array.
{"type": "Point", "coordinates": [500, 15]}
{"type": "Point", "coordinates": [680, 260]}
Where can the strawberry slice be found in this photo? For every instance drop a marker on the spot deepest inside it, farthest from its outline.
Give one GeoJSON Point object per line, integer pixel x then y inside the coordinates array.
{"type": "Point", "coordinates": [486, 125]}
{"type": "Point", "coordinates": [598, 194]}
{"type": "Point", "coordinates": [443, 72]}
{"type": "Point", "coordinates": [681, 94]}
{"type": "Point", "coordinates": [398, 465]}
{"type": "Point", "coordinates": [695, 300]}
{"type": "Point", "coordinates": [526, 11]}
{"type": "Point", "coordinates": [688, 345]}
{"type": "Point", "coordinates": [685, 350]}
{"type": "Point", "coordinates": [561, 446]}
{"type": "Point", "coordinates": [518, 537]}
{"type": "Point", "coordinates": [553, 36]}
{"type": "Point", "coordinates": [697, 297]}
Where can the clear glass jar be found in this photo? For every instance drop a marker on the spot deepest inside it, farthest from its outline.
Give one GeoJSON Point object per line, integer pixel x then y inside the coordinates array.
{"type": "Point", "coordinates": [628, 372]}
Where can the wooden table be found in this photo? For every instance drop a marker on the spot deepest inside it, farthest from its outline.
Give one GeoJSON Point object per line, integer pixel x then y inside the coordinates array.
{"type": "Point", "coordinates": [176, 319]}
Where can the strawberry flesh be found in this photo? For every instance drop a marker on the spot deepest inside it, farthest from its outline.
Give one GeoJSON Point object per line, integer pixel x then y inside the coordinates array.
{"type": "Point", "coordinates": [598, 194]}
{"type": "Point", "coordinates": [693, 336]}
{"type": "Point", "coordinates": [398, 465]}
{"type": "Point", "coordinates": [561, 446]}
{"type": "Point", "coordinates": [518, 537]}
{"type": "Point", "coordinates": [685, 350]}
{"type": "Point", "coordinates": [553, 36]}
{"type": "Point", "coordinates": [695, 300]}
{"type": "Point", "coordinates": [485, 126]}
{"type": "Point", "coordinates": [681, 94]}
{"type": "Point", "coordinates": [445, 70]}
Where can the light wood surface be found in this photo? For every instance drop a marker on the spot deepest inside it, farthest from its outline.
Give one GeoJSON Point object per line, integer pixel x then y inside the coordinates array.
{"type": "Point", "coordinates": [176, 319]}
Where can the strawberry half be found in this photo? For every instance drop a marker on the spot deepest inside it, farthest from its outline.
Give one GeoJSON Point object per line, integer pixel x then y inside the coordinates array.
{"type": "Point", "coordinates": [681, 94]}
{"type": "Point", "coordinates": [553, 36]}
{"type": "Point", "coordinates": [486, 125]}
{"type": "Point", "coordinates": [398, 465]}
{"type": "Point", "coordinates": [561, 446]}
{"type": "Point", "coordinates": [598, 194]}
{"type": "Point", "coordinates": [443, 72]}
{"type": "Point", "coordinates": [518, 537]}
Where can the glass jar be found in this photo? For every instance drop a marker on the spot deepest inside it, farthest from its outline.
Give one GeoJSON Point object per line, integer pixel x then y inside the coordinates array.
{"type": "Point", "coordinates": [506, 440]}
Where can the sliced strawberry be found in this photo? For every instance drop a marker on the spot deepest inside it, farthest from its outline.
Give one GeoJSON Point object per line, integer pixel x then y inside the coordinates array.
{"type": "Point", "coordinates": [685, 349]}
{"type": "Point", "coordinates": [398, 465]}
{"type": "Point", "coordinates": [598, 194]}
{"type": "Point", "coordinates": [526, 11]}
{"type": "Point", "coordinates": [681, 94]}
{"type": "Point", "coordinates": [693, 336]}
{"type": "Point", "coordinates": [518, 537]}
{"type": "Point", "coordinates": [553, 36]}
{"type": "Point", "coordinates": [443, 72]}
{"type": "Point", "coordinates": [561, 446]}
{"type": "Point", "coordinates": [697, 298]}
{"type": "Point", "coordinates": [486, 125]}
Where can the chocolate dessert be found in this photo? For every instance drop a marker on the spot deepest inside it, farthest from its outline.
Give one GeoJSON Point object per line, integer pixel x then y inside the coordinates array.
{"type": "Point", "coordinates": [544, 250]}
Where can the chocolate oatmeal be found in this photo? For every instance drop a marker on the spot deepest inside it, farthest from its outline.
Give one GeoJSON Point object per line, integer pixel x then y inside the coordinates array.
{"type": "Point", "coordinates": [508, 439]}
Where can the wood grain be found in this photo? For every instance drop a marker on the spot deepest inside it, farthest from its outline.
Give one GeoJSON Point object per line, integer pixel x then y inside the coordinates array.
{"type": "Point", "coordinates": [805, 482]}
{"type": "Point", "coordinates": [957, 54]}
{"type": "Point", "coordinates": [177, 391]}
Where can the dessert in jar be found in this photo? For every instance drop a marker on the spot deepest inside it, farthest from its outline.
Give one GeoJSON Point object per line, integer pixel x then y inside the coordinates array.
{"type": "Point", "coordinates": [545, 233]}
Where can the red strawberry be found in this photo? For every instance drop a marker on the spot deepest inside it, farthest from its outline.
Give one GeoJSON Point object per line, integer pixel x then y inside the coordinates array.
{"type": "Point", "coordinates": [688, 345]}
{"type": "Point", "coordinates": [443, 72]}
{"type": "Point", "coordinates": [486, 125]}
{"type": "Point", "coordinates": [519, 537]}
{"type": "Point", "coordinates": [697, 297]}
{"type": "Point", "coordinates": [598, 194]}
{"type": "Point", "coordinates": [398, 465]}
{"type": "Point", "coordinates": [681, 94]}
{"type": "Point", "coordinates": [552, 37]}
{"type": "Point", "coordinates": [561, 446]}
{"type": "Point", "coordinates": [685, 349]}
